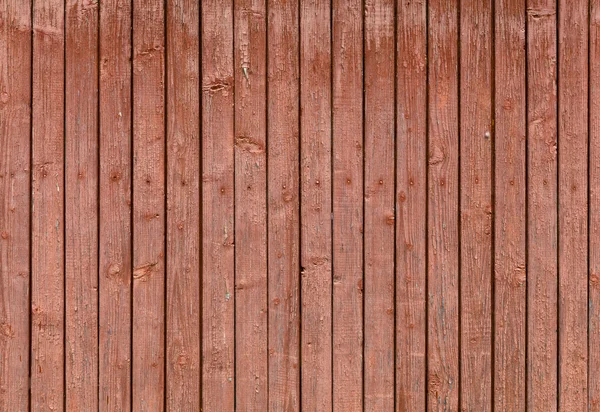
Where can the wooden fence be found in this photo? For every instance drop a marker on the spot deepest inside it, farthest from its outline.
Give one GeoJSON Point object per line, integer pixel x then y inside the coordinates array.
{"type": "Point", "coordinates": [285, 205]}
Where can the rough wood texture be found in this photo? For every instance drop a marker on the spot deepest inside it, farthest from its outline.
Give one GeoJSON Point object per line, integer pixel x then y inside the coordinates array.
{"type": "Point", "coordinates": [347, 182]}
{"type": "Point", "coordinates": [183, 214]}
{"type": "Point", "coordinates": [283, 205]}
{"type": "Point", "coordinates": [379, 205]}
{"type": "Point", "coordinates": [442, 219]}
{"type": "Point", "coordinates": [510, 291]}
{"type": "Point", "coordinates": [115, 246]}
{"type": "Point", "coordinates": [48, 191]}
{"type": "Point", "coordinates": [251, 196]}
{"type": "Point", "coordinates": [315, 201]}
{"type": "Point", "coordinates": [81, 205]}
{"type": "Point", "coordinates": [594, 211]}
{"type": "Point", "coordinates": [15, 128]}
{"type": "Point", "coordinates": [476, 204]}
{"type": "Point", "coordinates": [218, 388]}
{"type": "Point", "coordinates": [572, 205]}
{"type": "Point", "coordinates": [542, 229]}
{"type": "Point", "coordinates": [411, 197]}
{"type": "Point", "coordinates": [148, 331]}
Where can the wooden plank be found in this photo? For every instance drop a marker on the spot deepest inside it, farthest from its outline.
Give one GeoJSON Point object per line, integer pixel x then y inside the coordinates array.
{"type": "Point", "coordinates": [148, 332]}
{"type": "Point", "coordinates": [594, 217]}
{"type": "Point", "coordinates": [379, 212]}
{"type": "Point", "coordinates": [251, 369]}
{"type": "Point", "coordinates": [218, 388]}
{"type": "Point", "coordinates": [476, 207]}
{"type": "Point", "coordinates": [347, 205]}
{"type": "Point", "coordinates": [15, 128]}
{"type": "Point", "coordinates": [442, 219]}
{"type": "Point", "coordinates": [283, 205]}
{"type": "Point", "coordinates": [81, 205]}
{"type": "Point", "coordinates": [315, 204]}
{"type": "Point", "coordinates": [411, 213]}
{"type": "Point", "coordinates": [510, 207]}
{"type": "Point", "coordinates": [183, 197]}
{"type": "Point", "coordinates": [47, 244]}
{"type": "Point", "coordinates": [572, 204]}
{"type": "Point", "coordinates": [542, 230]}
{"type": "Point", "coordinates": [115, 246]}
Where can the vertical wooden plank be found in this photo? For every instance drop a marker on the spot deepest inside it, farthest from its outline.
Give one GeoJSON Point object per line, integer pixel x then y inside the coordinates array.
{"type": "Point", "coordinates": [81, 205]}
{"type": "Point", "coordinates": [594, 220]}
{"type": "Point", "coordinates": [115, 206]}
{"type": "Point", "coordinates": [347, 205]}
{"type": "Point", "coordinates": [542, 231]}
{"type": "Point", "coordinates": [251, 205]}
{"type": "Point", "coordinates": [183, 213]}
{"type": "Point", "coordinates": [510, 206]}
{"type": "Point", "coordinates": [572, 204]}
{"type": "Point", "coordinates": [283, 205]}
{"type": "Point", "coordinates": [379, 196]}
{"type": "Point", "coordinates": [315, 204]}
{"type": "Point", "coordinates": [411, 210]}
{"type": "Point", "coordinates": [47, 247]}
{"type": "Point", "coordinates": [443, 239]}
{"type": "Point", "coordinates": [15, 127]}
{"type": "Point", "coordinates": [218, 206]}
{"type": "Point", "coordinates": [476, 133]}
{"type": "Point", "coordinates": [148, 206]}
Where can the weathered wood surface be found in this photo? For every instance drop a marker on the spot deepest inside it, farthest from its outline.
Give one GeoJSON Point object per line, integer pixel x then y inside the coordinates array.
{"type": "Point", "coordinates": [299, 205]}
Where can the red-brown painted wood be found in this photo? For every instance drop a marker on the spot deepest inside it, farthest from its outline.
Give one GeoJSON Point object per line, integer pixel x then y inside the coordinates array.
{"type": "Point", "coordinates": [47, 197]}
{"type": "Point", "coordinates": [15, 129]}
{"type": "Point", "coordinates": [81, 205]}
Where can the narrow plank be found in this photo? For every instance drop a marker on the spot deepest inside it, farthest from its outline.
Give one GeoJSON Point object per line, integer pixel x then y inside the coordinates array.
{"type": "Point", "coordinates": [115, 246]}
{"type": "Point", "coordinates": [594, 219]}
{"type": "Point", "coordinates": [315, 204]}
{"type": "Point", "coordinates": [347, 54]}
{"type": "Point", "coordinates": [81, 205]}
{"type": "Point", "coordinates": [510, 207]}
{"type": "Point", "coordinates": [47, 243]}
{"type": "Point", "coordinates": [411, 210]}
{"type": "Point", "coordinates": [251, 356]}
{"type": "Point", "coordinates": [379, 196]}
{"type": "Point", "coordinates": [218, 206]}
{"type": "Point", "coordinates": [476, 208]}
{"type": "Point", "coordinates": [542, 230]}
{"type": "Point", "coordinates": [183, 197]}
{"type": "Point", "coordinates": [572, 204]}
{"type": "Point", "coordinates": [148, 332]}
{"type": "Point", "coordinates": [442, 220]}
{"type": "Point", "coordinates": [283, 205]}
{"type": "Point", "coordinates": [15, 127]}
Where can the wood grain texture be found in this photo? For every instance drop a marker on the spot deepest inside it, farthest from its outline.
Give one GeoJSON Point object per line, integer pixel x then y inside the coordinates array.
{"type": "Point", "coordinates": [347, 147]}
{"type": "Point", "coordinates": [510, 293]}
{"type": "Point", "coordinates": [81, 205]}
{"type": "Point", "coordinates": [218, 328]}
{"type": "Point", "coordinates": [379, 212]}
{"type": "Point", "coordinates": [115, 246]}
{"type": "Point", "coordinates": [183, 214]}
{"type": "Point", "coordinates": [411, 210]}
{"type": "Point", "coordinates": [15, 129]}
{"type": "Point", "coordinates": [443, 239]}
{"type": "Point", "coordinates": [476, 207]}
{"type": "Point", "coordinates": [251, 195]}
{"type": "Point", "coordinates": [48, 191]}
{"type": "Point", "coordinates": [148, 333]}
{"type": "Point", "coordinates": [572, 205]}
{"type": "Point", "coordinates": [283, 204]}
{"type": "Point", "coordinates": [594, 211]}
{"type": "Point", "coordinates": [315, 204]}
{"type": "Point", "coordinates": [542, 229]}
